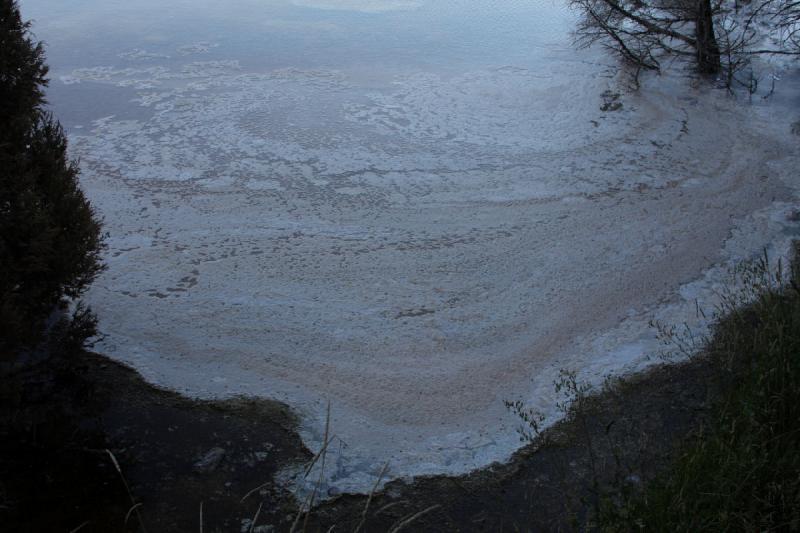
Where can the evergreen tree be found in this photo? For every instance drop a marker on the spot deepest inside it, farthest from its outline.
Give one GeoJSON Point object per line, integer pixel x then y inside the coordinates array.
{"type": "Point", "coordinates": [50, 238]}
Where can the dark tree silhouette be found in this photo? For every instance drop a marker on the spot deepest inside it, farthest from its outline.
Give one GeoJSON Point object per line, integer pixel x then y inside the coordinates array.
{"type": "Point", "coordinates": [643, 31]}
{"type": "Point", "coordinates": [720, 37]}
{"type": "Point", "coordinates": [50, 238]}
{"type": "Point", "coordinates": [787, 17]}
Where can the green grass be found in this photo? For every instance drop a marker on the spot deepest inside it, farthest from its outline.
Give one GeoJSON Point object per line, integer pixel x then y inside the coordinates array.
{"type": "Point", "coordinates": [742, 471]}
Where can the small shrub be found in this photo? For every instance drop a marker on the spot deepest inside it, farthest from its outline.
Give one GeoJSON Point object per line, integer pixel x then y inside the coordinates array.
{"type": "Point", "coordinates": [742, 472]}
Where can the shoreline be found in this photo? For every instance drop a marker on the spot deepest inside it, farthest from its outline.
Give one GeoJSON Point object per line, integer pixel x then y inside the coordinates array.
{"type": "Point", "coordinates": [161, 438]}
{"type": "Point", "coordinates": [638, 356]}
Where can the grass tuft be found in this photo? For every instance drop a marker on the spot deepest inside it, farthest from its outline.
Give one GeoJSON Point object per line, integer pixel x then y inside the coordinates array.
{"type": "Point", "coordinates": [741, 472]}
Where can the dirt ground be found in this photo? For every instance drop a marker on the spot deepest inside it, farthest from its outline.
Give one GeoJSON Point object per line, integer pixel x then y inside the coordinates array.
{"type": "Point", "coordinates": [58, 426]}
{"type": "Point", "coordinates": [174, 454]}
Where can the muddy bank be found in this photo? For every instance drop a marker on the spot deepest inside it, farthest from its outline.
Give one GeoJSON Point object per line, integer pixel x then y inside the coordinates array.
{"type": "Point", "coordinates": [176, 453]}
{"type": "Point", "coordinates": [619, 440]}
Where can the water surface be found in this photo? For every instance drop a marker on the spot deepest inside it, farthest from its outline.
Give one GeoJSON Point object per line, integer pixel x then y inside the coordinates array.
{"type": "Point", "coordinates": [411, 209]}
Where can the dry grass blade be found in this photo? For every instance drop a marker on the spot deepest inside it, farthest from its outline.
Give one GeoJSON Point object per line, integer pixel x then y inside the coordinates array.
{"type": "Point", "coordinates": [406, 521]}
{"type": "Point", "coordinates": [255, 518]}
{"type": "Point", "coordinates": [306, 508]}
{"type": "Point", "coordinates": [132, 509]}
{"type": "Point", "coordinates": [201, 517]}
{"type": "Point", "coordinates": [80, 527]}
{"type": "Point", "coordinates": [128, 490]}
{"type": "Point", "coordinates": [300, 514]}
{"type": "Point", "coordinates": [389, 506]}
{"type": "Point", "coordinates": [316, 458]}
{"type": "Point", "coordinates": [369, 498]}
{"type": "Point", "coordinates": [321, 466]}
{"type": "Point", "coordinates": [114, 461]}
{"type": "Point", "coordinates": [252, 491]}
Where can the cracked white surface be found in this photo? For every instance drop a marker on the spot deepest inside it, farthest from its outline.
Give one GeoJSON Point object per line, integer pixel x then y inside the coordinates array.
{"type": "Point", "coordinates": [414, 245]}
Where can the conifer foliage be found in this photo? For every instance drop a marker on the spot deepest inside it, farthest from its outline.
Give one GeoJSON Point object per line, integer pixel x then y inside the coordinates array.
{"type": "Point", "coordinates": [50, 238]}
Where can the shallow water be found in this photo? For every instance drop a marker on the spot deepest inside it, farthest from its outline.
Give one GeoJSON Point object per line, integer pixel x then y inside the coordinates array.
{"type": "Point", "coordinates": [411, 209]}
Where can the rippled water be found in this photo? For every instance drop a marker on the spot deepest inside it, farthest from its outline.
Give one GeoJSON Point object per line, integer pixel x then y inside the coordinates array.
{"type": "Point", "coordinates": [413, 209]}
